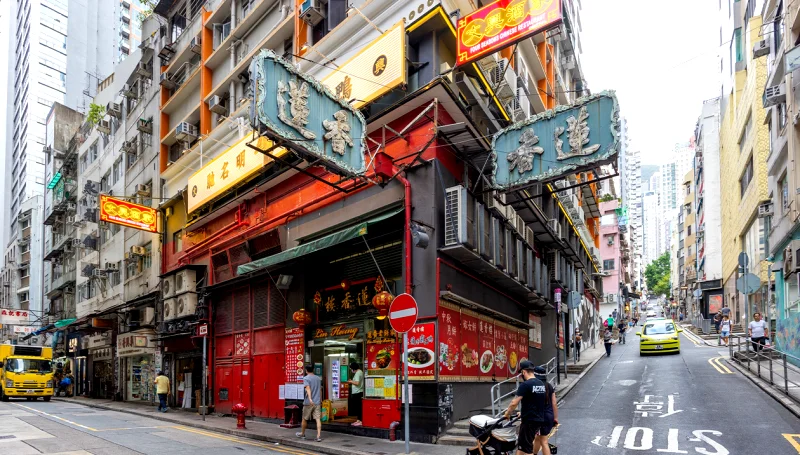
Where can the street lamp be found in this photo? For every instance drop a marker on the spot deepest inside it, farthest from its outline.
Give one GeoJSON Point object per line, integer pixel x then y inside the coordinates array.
{"type": "Point", "coordinates": [306, 47]}
{"type": "Point", "coordinates": [353, 8]}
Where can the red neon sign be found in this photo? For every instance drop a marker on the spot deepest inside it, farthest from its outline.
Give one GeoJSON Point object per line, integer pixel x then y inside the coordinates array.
{"type": "Point", "coordinates": [502, 24]}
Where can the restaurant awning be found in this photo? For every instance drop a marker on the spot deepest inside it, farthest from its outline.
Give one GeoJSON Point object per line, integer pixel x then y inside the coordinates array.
{"type": "Point", "coordinates": [343, 235]}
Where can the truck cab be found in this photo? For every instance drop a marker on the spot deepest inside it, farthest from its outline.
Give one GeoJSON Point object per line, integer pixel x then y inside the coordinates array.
{"type": "Point", "coordinates": [26, 371]}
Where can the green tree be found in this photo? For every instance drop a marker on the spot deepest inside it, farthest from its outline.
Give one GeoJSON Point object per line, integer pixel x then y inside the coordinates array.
{"type": "Point", "coordinates": [147, 10]}
{"type": "Point", "coordinates": [96, 113]}
{"type": "Point", "coordinates": [656, 275]}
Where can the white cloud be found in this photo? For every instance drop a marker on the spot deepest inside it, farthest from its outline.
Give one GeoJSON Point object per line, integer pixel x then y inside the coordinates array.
{"type": "Point", "coordinates": [662, 60]}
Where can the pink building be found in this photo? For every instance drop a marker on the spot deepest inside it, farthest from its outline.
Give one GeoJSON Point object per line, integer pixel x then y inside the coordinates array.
{"type": "Point", "coordinates": [610, 255]}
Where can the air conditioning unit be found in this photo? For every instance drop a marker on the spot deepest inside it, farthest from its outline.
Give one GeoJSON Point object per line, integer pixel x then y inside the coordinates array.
{"type": "Point", "coordinates": [143, 190]}
{"type": "Point", "coordinates": [519, 225]}
{"type": "Point", "coordinates": [761, 49]}
{"type": "Point", "coordinates": [185, 281]}
{"type": "Point", "coordinates": [774, 95]}
{"type": "Point", "coordinates": [72, 206]}
{"type": "Point", "coordinates": [167, 82]}
{"type": "Point", "coordinates": [147, 316]}
{"type": "Point", "coordinates": [129, 146]}
{"type": "Point", "coordinates": [217, 105]}
{"type": "Point", "coordinates": [104, 126]}
{"type": "Point", "coordinates": [77, 243]}
{"type": "Point", "coordinates": [496, 203]}
{"type": "Point", "coordinates": [499, 243]}
{"type": "Point", "coordinates": [168, 286]}
{"type": "Point", "coordinates": [529, 237]}
{"type": "Point", "coordinates": [568, 62]}
{"type": "Point", "coordinates": [195, 44]}
{"type": "Point", "coordinates": [138, 250]}
{"type": "Point", "coordinates": [170, 312]}
{"type": "Point", "coordinates": [111, 266]}
{"type": "Point", "coordinates": [142, 69]}
{"type": "Point", "coordinates": [114, 109]}
{"type": "Point", "coordinates": [459, 217]}
{"type": "Point", "coordinates": [186, 132]}
{"type": "Point", "coordinates": [569, 200]}
{"type": "Point", "coordinates": [311, 12]}
{"type": "Point", "coordinates": [765, 209]}
{"type": "Point", "coordinates": [99, 273]}
{"type": "Point", "coordinates": [555, 226]}
{"type": "Point", "coordinates": [185, 305]}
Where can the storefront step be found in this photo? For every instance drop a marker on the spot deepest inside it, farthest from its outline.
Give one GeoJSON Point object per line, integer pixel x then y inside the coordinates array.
{"type": "Point", "coordinates": [456, 431]}
{"type": "Point", "coordinates": [463, 441]}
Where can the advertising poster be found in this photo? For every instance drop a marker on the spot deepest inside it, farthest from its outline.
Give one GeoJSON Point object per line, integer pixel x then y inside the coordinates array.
{"type": "Point", "coordinates": [486, 347]}
{"type": "Point", "coordinates": [420, 356]}
{"type": "Point", "coordinates": [469, 346]}
{"type": "Point", "coordinates": [449, 342]}
{"type": "Point", "coordinates": [383, 356]}
{"type": "Point", "coordinates": [516, 350]}
{"type": "Point", "coordinates": [714, 304]}
{"type": "Point", "coordinates": [535, 332]}
{"type": "Point", "coordinates": [295, 355]}
{"type": "Point", "coordinates": [560, 335]}
{"type": "Point", "coordinates": [501, 350]}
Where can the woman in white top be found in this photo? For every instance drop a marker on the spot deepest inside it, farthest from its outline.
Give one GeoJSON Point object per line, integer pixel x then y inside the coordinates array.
{"type": "Point", "coordinates": [725, 329]}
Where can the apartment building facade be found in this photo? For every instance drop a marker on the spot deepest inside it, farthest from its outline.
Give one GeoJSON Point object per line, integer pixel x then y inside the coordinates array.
{"type": "Point", "coordinates": [256, 238]}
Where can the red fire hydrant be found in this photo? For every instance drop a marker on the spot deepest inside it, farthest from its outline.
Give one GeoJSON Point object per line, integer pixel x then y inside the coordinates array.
{"type": "Point", "coordinates": [240, 410]}
{"type": "Point", "coordinates": [393, 430]}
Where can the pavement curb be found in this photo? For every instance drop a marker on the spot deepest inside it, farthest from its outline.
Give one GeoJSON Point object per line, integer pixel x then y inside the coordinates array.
{"type": "Point", "coordinates": [289, 442]}
{"type": "Point", "coordinates": [572, 385]}
{"type": "Point", "coordinates": [786, 402]}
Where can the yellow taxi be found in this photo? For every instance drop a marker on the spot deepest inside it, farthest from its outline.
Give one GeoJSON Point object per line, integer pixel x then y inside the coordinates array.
{"type": "Point", "coordinates": [659, 335]}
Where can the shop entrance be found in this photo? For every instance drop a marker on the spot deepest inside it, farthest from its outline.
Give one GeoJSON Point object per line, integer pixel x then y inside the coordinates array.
{"type": "Point", "coordinates": [332, 359]}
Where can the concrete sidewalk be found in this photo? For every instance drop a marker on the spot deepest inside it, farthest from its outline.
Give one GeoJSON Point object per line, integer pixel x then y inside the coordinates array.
{"type": "Point", "coordinates": [589, 358]}
{"type": "Point", "coordinates": [332, 443]}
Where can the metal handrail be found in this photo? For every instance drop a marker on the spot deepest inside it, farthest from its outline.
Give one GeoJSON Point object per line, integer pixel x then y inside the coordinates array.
{"type": "Point", "coordinates": [770, 368]}
{"type": "Point", "coordinates": [498, 396]}
{"type": "Point", "coordinates": [702, 323]}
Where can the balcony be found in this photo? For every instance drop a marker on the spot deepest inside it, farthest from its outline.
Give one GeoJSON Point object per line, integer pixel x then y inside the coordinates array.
{"type": "Point", "coordinates": [61, 279]}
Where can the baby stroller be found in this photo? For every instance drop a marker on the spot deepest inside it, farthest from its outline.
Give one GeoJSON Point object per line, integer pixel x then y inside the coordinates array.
{"type": "Point", "coordinates": [494, 435]}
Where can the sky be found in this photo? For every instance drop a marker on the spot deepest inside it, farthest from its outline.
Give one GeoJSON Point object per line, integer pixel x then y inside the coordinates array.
{"type": "Point", "coordinates": [660, 58]}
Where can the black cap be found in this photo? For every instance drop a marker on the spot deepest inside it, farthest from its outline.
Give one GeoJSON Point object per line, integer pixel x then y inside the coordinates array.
{"type": "Point", "coordinates": [539, 370]}
{"type": "Point", "coordinates": [526, 365]}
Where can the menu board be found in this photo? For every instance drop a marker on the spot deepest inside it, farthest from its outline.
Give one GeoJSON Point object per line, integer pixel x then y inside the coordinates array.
{"type": "Point", "coordinates": [420, 356]}
{"type": "Point", "coordinates": [486, 346]}
{"type": "Point", "coordinates": [449, 342]}
{"type": "Point", "coordinates": [513, 351]}
{"type": "Point", "coordinates": [381, 387]}
{"type": "Point", "coordinates": [469, 346]}
{"type": "Point", "coordinates": [501, 348]}
{"type": "Point", "coordinates": [295, 349]}
{"type": "Point", "coordinates": [382, 358]}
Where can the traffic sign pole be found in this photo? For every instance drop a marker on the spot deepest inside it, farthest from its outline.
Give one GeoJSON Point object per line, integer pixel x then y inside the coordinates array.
{"type": "Point", "coordinates": [402, 317]}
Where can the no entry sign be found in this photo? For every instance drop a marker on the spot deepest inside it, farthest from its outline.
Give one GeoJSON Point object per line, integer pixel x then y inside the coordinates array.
{"type": "Point", "coordinates": [403, 313]}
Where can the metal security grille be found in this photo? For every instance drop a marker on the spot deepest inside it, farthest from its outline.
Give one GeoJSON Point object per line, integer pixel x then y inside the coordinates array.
{"type": "Point", "coordinates": [261, 306]}
{"type": "Point", "coordinates": [223, 315]}
{"type": "Point", "coordinates": [277, 307]}
{"type": "Point", "coordinates": [241, 309]}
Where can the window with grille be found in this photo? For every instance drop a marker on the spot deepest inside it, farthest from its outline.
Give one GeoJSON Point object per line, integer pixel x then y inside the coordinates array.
{"type": "Point", "coordinates": [223, 314]}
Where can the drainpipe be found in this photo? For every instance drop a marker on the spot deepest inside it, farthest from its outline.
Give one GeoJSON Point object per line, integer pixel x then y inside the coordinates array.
{"type": "Point", "coordinates": [407, 232]}
{"type": "Point", "coordinates": [232, 88]}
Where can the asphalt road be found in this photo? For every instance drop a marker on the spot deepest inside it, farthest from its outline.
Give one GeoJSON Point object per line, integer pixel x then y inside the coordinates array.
{"type": "Point", "coordinates": [683, 403]}
{"type": "Point", "coordinates": [65, 428]}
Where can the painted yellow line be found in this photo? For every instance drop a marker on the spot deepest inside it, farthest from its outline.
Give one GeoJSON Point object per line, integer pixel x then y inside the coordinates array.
{"type": "Point", "coordinates": [716, 362]}
{"type": "Point", "coordinates": [242, 441]}
{"type": "Point", "coordinates": [794, 440]}
{"type": "Point", "coordinates": [723, 366]}
{"type": "Point", "coordinates": [55, 417]}
{"type": "Point", "coordinates": [135, 428]}
{"type": "Point", "coordinates": [691, 340]}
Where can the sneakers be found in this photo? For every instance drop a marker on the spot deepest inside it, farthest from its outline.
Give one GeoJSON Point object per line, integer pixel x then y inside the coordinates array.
{"type": "Point", "coordinates": [357, 423]}
{"type": "Point", "coordinates": [318, 440]}
{"type": "Point", "coordinates": [300, 435]}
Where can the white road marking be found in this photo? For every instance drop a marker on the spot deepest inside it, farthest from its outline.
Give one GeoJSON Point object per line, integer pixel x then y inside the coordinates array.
{"type": "Point", "coordinates": [672, 442]}
{"type": "Point", "coordinates": [615, 435]}
{"type": "Point", "coordinates": [701, 437]}
{"type": "Point", "coordinates": [646, 441]}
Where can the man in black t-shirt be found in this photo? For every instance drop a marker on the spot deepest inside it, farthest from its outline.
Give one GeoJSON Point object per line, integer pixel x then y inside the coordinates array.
{"type": "Point", "coordinates": [533, 395]}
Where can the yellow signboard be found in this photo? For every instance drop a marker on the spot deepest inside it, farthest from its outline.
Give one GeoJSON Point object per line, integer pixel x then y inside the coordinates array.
{"type": "Point", "coordinates": [231, 167]}
{"type": "Point", "coordinates": [377, 69]}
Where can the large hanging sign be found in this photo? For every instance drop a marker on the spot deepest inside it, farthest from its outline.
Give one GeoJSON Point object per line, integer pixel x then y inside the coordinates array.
{"type": "Point", "coordinates": [377, 69]}
{"type": "Point", "coordinates": [502, 24]}
{"type": "Point", "coordinates": [567, 139]}
{"type": "Point", "coordinates": [233, 166]}
{"type": "Point", "coordinates": [128, 214]}
{"type": "Point", "coordinates": [304, 115]}
{"type": "Point", "coordinates": [347, 300]}
{"type": "Point", "coordinates": [12, 317]}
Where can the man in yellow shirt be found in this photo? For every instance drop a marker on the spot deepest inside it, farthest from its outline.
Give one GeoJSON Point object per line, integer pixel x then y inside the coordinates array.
{"type": "Point", "coordinates": [162, 389]}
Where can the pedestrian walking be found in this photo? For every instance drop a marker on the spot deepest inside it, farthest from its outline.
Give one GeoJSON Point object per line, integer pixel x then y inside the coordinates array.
{"type": "Point", "coordinates": [717, 321]}
{"type": "Point", "coordinates": [622, 328]}
{"type": "Point", "coordinates": [680, 316]}
{"type": "Point", "coordinates": [607, 340]}
{"type": "Point", "coordinates": [532, 393]}
{"type": "Point", "coordinates": [542, 442]}
{"type": "Point", "coordinates": [356, 393]}
{"type": "Point", "coordinates": [726, 329]}
{"type": "Point", "coordinates": [610, 321]}
{"type": "Point", "coordinates": [162, 390]}
{"type": "Point", "coordinates": [725, 310]}
{"type": "Point", "coordinates": [312, 402]}
{"type": "Point", "coordinates": [758, 331]}
{"type": "Point", "coordinates": [577, 342]}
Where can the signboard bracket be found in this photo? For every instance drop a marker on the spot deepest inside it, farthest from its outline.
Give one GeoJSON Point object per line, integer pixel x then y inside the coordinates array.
{"type": "Point", "coordinates": [557, 190]}
{"type": "Point", "coordinates": [335, 185]}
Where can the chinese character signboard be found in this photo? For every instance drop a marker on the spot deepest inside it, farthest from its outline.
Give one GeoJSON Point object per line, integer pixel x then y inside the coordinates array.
{"type": "Point", "coordinates": [421, 357]}
{"type": "Point", "coordinates": [233, 166]}
{"type": "Point", "coordinates": [11, 317]}
{"type": "Point", "coordinates": [375, 70]}
{"type": "Point", "coordinates": [127, 214]}
{"type": "Point", "coordinates": [502, 24]}
{"type": "Point", "coordinates": [335, 303]}
{"type": "Point", "coordinates": [295, 355]}
{"type": "Point", "coordinates": [567, 139]}
{"type": "Point", "coordinates": [500, 350]}
{"type": "Point", "coordinates": [449, 342]}
{"type": "Point", "coordinates": [24, 329]}
{"type": "Point", "coordinates": [535, 332]}
{"type": "Point", "coordinates": [301, 113]}
{"type": "Point", "coordinates": [135, 344]}
{"type": "Point", "coordinates": [383, 357]}
{"type": "Point", "coordinates": [485, 347]}
{"type": "Point", "coordinates": [469, 350]}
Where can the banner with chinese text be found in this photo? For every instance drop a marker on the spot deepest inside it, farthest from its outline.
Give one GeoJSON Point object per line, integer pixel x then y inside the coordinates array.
{"type": "Point", "coordinates": [470, 346]}
{"type": "Point", "coordinates": [535, 332]}
{"type": "Point", "coordinates": [338, 303]}
{"type": "Point", "coordinates": [11, 317]}
{"type": "Point", "coordinates": [501, 347]}
{"type": "Point", "coordinates": [382, 352]}
{"type": "Point", "coordinates": [485, 346]}
{"type": "Point", "coordinates": [449, 342]}
{"type": "Point", "coordinates": [420, 356]}
{"type": "Point", "coordinates": [295, 355]}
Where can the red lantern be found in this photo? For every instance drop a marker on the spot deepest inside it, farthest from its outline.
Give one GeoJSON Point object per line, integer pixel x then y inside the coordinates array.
{"type": "Point", "coordinates": [381, 302]}
{"type": "Point", "coordinates": [302, 317]}
{"type": "Point", "coordinates": [345, 284]}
